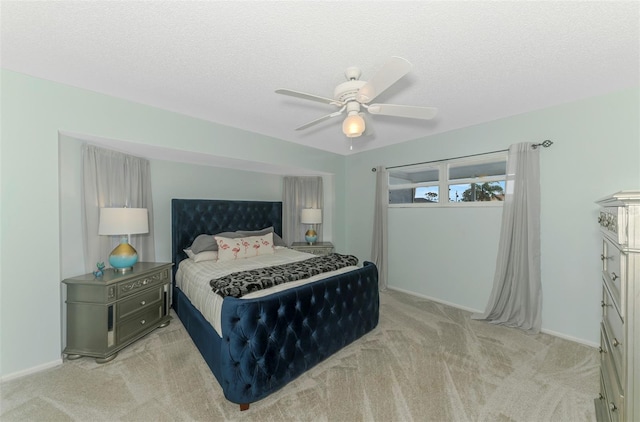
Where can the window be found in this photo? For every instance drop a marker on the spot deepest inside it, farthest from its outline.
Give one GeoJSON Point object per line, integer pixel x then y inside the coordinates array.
{"type": "Point", "coordinates": [458, 182]}
{"type": "Point", "coordinates": [419, 185]}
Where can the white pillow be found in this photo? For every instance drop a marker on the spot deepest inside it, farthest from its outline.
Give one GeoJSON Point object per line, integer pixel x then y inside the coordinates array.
{"type": "Point", "coordinates": [202, 256]}
{"type": "Point", "coordinates": [206, 256]}
{"type": "Point", "coordinates": [244, 247]}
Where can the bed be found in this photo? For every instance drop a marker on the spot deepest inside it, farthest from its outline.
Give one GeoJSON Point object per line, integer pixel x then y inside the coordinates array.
{"type": "Point", "coordinates": [266, 342]}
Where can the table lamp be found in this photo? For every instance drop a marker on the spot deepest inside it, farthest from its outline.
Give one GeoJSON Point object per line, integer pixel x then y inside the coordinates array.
{"type": "Point", "coordinates": [123, 222]}
{"type": "Point", "coordinates": [311, 216]}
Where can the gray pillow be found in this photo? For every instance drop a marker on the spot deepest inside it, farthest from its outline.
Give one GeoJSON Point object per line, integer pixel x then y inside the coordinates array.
{"type": "Point", "coordinates": [277, 240]}
{"type": "Point", "coordinates": [206, 242]}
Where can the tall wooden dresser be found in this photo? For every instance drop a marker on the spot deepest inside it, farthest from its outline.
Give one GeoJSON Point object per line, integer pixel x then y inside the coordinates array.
{"type": "Point", "coordinates": [619, 220]}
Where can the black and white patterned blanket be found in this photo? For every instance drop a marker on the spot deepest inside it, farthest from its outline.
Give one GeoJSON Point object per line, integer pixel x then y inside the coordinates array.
{"type": "Point", "coordinates": [244, 282]}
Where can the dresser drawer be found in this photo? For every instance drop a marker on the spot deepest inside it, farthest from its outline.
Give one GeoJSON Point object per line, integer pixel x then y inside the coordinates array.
{"type": "Point", "coordinates": [137, 285]}
{"type": "Point", "coordinates": [601, 403]}
{"type": "Point", "coordinates": [141, 322]}
{"type": "Point", "coordinates": [613, 272]}
{"type": "Point", "coordinates": [614, 395]}
{"type": "Point", "coordinates": [133, 304]}
{"type": "Point", "coordinates": [621, 224]}
{"type": "Point", "coordinates": [612, 341]}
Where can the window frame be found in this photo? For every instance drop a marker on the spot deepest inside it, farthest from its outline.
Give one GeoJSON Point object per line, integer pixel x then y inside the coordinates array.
{"type": "Point", "coordinates": [444, 182]}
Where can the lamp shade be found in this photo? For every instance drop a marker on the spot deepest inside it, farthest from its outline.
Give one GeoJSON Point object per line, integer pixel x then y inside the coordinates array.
{"type": "Point", "coordinates": [311, 216]}
{"type": "Point", "coordinates": [120, 221]}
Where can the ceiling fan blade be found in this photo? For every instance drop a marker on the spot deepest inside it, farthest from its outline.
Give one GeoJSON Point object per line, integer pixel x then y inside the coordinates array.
{"type": "Point", "coordinates": [306, 96]}
{"type": "Point", "coordinates": [321, 119]}
{"type": "Point", "coordinates": [391, 72]}
{"type": "Point", "coordinates": [411, 112]}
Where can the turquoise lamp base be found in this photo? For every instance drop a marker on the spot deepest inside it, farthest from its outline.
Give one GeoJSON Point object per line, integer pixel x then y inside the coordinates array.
{"type": "Point", "coordinates": [123, 257]}
{"type": "Point", "coordinates": [311, 236]}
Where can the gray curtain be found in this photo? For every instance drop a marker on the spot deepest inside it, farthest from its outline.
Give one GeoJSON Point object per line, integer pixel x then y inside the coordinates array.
{"type": "Point", "coordinates": [299, 193]}
{"type": "Point", "coordinates": [380, 239]}
{"type": "Point", "coordinates": [516, 298]}
{"type": "Point", "coordinates": [114, 179]}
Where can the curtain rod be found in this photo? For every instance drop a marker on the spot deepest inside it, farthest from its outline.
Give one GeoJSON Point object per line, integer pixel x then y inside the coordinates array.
{"type": "Point", "coordinates": [546, 144]}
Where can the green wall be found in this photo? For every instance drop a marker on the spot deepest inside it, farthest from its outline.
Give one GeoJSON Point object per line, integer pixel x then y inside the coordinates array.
{"type": "Point", "coordinates": [34, 111]}
{"type": "Point", "coordinates": [449, 253]}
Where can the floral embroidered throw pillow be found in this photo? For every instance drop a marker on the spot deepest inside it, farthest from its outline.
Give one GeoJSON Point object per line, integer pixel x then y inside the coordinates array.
{"type": "Point", "coordinates": [244, 247]}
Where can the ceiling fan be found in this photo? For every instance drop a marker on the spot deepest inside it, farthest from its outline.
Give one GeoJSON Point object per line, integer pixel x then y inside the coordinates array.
{"type": "Point", "coordinates": [355, 94]}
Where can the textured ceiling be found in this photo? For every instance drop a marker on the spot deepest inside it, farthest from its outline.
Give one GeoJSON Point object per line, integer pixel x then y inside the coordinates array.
{"type": "Point", "coordinates": [221, 61]}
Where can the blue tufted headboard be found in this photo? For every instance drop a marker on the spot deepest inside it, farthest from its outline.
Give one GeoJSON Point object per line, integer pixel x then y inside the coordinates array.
{"type": "Point", "coordinates": [192, 217]}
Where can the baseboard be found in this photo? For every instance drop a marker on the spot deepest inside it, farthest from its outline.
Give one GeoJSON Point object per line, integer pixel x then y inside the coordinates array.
{"type": "Point", "coordinates": [30, 371]}
{"type": "Point", "coordinates": [433, 299]}
{"type": "Point", "coordinates": [570, 338]}
{"type": "Point", "coordinates": [464, 308]}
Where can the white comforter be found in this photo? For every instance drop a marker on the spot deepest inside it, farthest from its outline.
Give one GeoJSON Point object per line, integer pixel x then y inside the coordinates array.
{"type": "Point", "coordinates": [193, 279]}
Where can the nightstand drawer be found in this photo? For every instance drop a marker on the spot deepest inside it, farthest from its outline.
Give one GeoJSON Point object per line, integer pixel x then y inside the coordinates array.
{"type": "Point", "coordinates": [134, 286]}
{"type": "Point", "coordinates": [320, 248]}
{"type": "Point", "coordinates": [319, 251]}
{"type": "Point", "coordinates": [141, 322]}
{"type": "Point", "coordinates": [135, 303]}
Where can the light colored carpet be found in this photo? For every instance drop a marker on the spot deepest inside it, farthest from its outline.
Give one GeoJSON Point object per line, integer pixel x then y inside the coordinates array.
{"type": "Point", "coordinates": [424, 362]}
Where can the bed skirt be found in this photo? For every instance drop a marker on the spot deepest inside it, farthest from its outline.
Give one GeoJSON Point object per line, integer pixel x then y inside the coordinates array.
{"type": "Point", "coordinates": [268, 341]}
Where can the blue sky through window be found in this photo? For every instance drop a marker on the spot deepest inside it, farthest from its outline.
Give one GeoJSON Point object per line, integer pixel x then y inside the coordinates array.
{"type": "Point", "coordinates": [423, 193]}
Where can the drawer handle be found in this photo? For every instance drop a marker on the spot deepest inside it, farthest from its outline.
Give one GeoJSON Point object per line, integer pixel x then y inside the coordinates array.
{"type": "Point", "coordinates": [145, 281]}
{"type": "Point", "coordinates": [616, 343]}
{"type": "Point", "coordinates": [603, 304]}
{"type": "Point", "coordinates": [612, 406]}
{"type": "Point", "coordinates": [143, 322]}
{"type": "Point", "coordinates": [601, 350]}
{"type": "Point", "coordinates": [614, 276]}
{"type": "Point", "coordinates": [144, 302]}
{"type": "Point", "coordinates": [600, 396]}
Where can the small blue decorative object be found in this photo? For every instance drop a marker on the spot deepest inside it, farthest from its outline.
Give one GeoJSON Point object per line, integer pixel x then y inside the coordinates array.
{"type": "Point", "coordinates": [100, 266]}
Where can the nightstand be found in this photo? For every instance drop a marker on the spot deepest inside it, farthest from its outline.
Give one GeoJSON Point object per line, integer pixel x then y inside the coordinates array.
{"type": "Point", "coordinates": [106, 314]}
{"type": "Point", "coordinates": [318, 248]}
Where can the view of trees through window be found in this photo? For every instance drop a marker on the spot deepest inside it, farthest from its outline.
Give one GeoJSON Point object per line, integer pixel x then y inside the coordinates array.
{"type": "Point", "coordinates": [465, 180]}
{"type": "Point", "coordinates": [472, 192]}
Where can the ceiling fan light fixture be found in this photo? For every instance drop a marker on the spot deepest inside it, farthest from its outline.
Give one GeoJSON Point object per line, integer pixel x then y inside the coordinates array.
{"type": "Point", "coordinates": [353, 125]}
{"type": "Point", "coordinates": [354, 94]}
